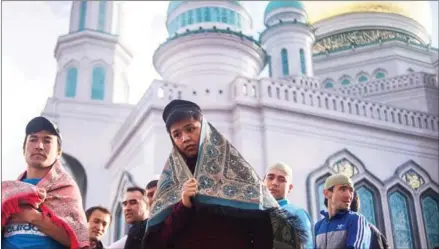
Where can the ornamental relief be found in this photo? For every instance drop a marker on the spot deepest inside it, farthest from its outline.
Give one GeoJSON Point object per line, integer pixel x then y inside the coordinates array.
{"type": "Point", "coordinates": [356, 38]}
{"type": "Point", "coordinates": [345, 167]}
{"type": "Point", "coordinates": [413, 179]}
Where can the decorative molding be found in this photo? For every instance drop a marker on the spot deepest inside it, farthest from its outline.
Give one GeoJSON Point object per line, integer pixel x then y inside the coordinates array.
{"type": "Point", "coordinates": [412, 166]}
{"type": "Point", "coordinates": [351, 39]}
{"type": "Point", "coordinates": [69, 64]}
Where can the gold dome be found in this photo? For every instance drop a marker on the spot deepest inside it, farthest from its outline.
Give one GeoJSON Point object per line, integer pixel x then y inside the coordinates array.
{"type": "Point", "coordinates": [416, 10]}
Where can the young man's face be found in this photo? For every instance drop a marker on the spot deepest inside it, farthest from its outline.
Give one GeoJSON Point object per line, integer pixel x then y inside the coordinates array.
{"type": "Point", "coordinates": [134, 207]}
{"type": "Point", "coordinates": [98, 224]}
{"type": "Point", "coordinates": [186, 136]}
{"type": "Point", "coordinates": [340, 197]}
{"type": "Point", "coordinates": [149, 195]}
{"type": "Point", "coordinates": [278, 183]}
{"type": "Point", "coordinates": [41, 149]}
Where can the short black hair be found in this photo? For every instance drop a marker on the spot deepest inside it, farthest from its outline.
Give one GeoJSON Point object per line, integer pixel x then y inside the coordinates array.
{"type": "Point", "coordinates": [90, 211]}
{"type": "Point", "coordinates": [152, 184]}
{"type": "Point", "coordinates": [134, 189]}
{"type": "Point", "coordinates": [182, 115]}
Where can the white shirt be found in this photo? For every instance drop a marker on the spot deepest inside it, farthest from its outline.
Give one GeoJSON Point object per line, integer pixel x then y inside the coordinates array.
{"type": "Point", "coordinates": [119, 244]}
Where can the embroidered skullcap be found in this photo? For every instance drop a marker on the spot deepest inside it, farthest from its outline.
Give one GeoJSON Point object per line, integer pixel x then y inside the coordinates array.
{"type": "Point", "coordinates": [175, 108]}
{"type": "Point", "coordinates": [338, 179]}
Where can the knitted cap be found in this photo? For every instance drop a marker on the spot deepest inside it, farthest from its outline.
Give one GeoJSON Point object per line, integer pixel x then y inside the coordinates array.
{"type": "Point", "coordinates": [338, 179]}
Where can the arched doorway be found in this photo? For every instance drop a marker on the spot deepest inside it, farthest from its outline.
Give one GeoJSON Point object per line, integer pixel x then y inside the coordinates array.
{"type": "Point", "coordinates": [76, 170]}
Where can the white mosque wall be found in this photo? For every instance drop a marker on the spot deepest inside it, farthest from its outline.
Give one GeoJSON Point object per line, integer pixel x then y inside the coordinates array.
{"type": "Point", "coordinates": [267, 129]}
{"type": "Point", "coordinates": [86, 130]}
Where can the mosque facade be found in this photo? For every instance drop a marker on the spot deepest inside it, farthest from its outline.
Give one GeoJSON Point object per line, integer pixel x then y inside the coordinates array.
{"type": "Point", "coordinates": [353, 91]}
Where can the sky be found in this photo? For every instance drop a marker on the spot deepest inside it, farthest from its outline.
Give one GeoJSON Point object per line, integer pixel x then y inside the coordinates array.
{"type": "Point", "coordinates": [29, 34]}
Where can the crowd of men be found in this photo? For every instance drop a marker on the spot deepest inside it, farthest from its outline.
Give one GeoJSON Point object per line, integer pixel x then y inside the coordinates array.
{"type": "Point", "coordinates": [186, 208]}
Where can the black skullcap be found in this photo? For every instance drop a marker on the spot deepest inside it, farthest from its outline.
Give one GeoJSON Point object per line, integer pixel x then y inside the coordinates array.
{"type": "Point", "coordinates": [176, 107]}
{"type": "Point", "coordinates": [42, 124]}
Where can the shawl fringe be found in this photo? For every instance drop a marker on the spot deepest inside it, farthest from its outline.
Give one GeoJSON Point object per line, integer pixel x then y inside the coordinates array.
{"type": "Point", "coordinates": [12, 206]}
{"type": "Point", "coordinates": [299, 233]}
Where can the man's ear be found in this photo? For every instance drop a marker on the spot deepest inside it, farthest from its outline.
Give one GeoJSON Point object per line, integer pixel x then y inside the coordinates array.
{"type": "Point", "coordinates": [290, 187]}
{"type": "Point", "coordinates": [59, 153]}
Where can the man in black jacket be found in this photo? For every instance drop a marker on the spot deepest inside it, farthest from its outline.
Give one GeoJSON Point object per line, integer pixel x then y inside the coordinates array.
{"type": "Point", "coordinates": [137, 230]}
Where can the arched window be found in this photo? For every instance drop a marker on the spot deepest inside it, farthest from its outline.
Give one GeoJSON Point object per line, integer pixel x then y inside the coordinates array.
{"type": "Point", "coordinates": [98, 84]}
{"type": "Point", "coordinates": [345, 81]}
{"type": "Point", "coordinates": [430, 213]}
{"type": "Point", "coordinates": [380, 75]}
{"type": "Point", "coordinates": [328, 84]}
{"type": "Point", "coordinates": [82, 15]}
{"type": "Point", "coordinates": [363, 78]}
{"type": "Point", "coordinates": [102, 15]}
{"type": "Point", "coordinates": [370, 204]}
{"type": "Point", "coordinates": [402, 227]}
{"type": "Point", "coordinates": [367, 204]}
{"type": "Point", "coordinates": [320, 185]}
{"type": "Point", "coordinates": [302, 61]}
{"type": "Point", "coordinates": [71, 82]}
{"type": "Point", "coordinates": [284, 57]}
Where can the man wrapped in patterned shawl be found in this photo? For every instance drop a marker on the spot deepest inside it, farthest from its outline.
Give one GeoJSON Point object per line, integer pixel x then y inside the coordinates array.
{"type": "Point", "coordinates": [208, 195]}
{"type": "Point", "coordinates": [43, 207]}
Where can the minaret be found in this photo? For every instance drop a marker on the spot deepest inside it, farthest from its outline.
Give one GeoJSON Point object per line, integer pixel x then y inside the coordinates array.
{"type": "Point", "coordinates": [288, 39]}
{"type": "Point", "coordinates": [208, 45]}
{"type": "Point", "coordinates": [92, 62]}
